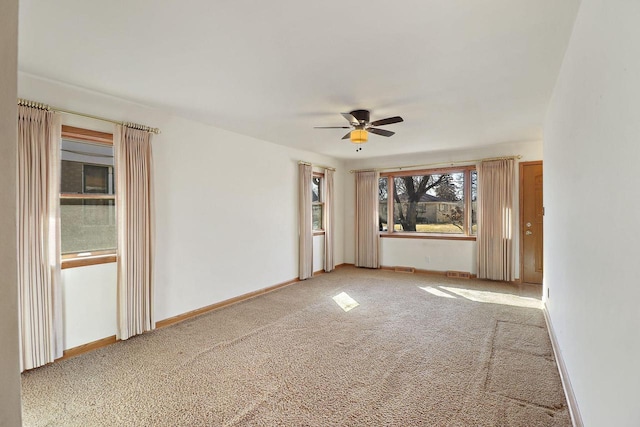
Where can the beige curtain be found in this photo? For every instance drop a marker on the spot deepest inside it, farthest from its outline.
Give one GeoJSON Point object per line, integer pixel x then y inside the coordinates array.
{"type": "Point", "coordinates": [305, 261]}
{"type": "Point", "coordinates": [367, 232]}
{"type": "Point", "coordinates": [134, 201]}
{"type": "Point", "coordinates": [329, 262]}
{"type": "Point", "coordinates": [495, 219]}
{"type": "Point", "coordinates": [40, 302]}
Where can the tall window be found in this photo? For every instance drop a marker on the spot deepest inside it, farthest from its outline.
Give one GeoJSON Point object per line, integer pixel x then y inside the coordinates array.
{"type": "Point", "coordinates": [87, 194]}
{"type": "Point", "coordinates": [317, 201]}
{"type": "Point", "coordinates": [437, 202]}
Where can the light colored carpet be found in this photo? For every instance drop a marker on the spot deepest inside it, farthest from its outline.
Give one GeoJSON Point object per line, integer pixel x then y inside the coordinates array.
{"type": "Point", "coordinates": [417, 350]}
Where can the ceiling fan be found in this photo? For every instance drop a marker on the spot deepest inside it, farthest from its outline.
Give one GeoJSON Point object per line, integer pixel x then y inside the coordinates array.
{"type": "Point", "coordinates": [359, 122]}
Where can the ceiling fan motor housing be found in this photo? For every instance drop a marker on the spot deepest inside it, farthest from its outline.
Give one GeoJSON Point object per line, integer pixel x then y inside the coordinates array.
{"type": "Point", "coordinates": [361, 115]}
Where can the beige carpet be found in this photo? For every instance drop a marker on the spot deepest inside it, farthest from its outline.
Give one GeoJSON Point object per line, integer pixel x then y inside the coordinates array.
{"type": "Point", "coordinates": [416, 350]}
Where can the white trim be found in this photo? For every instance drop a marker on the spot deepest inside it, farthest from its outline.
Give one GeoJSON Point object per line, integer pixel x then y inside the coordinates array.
{"type": "Point", "coordinates": [572, 403]}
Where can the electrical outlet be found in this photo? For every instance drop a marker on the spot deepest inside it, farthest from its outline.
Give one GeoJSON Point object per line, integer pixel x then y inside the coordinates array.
{"type": "Point", "coordinates": [427, 259]}
{"type": "Point", "coordinates": [547, 293]}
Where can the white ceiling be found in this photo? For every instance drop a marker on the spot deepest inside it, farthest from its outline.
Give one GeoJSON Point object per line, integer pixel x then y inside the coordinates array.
{"type": "Point", "coordinates": [462, 73]}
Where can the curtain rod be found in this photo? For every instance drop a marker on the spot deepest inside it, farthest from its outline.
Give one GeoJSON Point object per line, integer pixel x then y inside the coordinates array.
{"type": "Point", "coordinates": [41, 106]}
{"type": "Point", "coordinates": [456, 163]}
{"type": "Point", "coordinates": [302, 162]}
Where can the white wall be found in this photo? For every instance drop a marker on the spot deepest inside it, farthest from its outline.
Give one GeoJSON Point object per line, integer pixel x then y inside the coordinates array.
{"type": "Point", "coordinates": [226, 221]}
{"type": "Point", "coordinates": [318, 253]}
{"type": "Point", "coordinates": [443, 255]}
{"type": "Point", "coordinates": [10, 406]}
{"type": "Point", "coordinates": [592, 148]}
{"type": "Point", "coordinates": [227, 215]}
{"type": "Point", "coordinates": [427, 254]}
{"type": "Point", "coordinates": [89, 298]}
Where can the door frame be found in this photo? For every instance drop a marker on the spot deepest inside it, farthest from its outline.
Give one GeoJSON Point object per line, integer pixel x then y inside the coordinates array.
{"type": "Point", "coordinates": [521, 211]}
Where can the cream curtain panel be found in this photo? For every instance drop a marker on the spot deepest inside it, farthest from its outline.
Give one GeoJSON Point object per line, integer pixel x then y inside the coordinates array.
{"type": "Point", "coordinates": [367, 232]}
{"type": "Point", "coordinates": [134, 199]}
{"type": "Point", "coordinates": [495, 219]}
{"type": "Point", "coordinates": [305, 261]}
{"type": "Point", "coordinates": [329, 196]}
{"type": "Point", "coordinates": [39, 286]}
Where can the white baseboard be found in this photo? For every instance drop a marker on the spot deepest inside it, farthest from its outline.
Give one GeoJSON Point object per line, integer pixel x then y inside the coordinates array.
{"type": "Point", "coordinates": [572, 403]}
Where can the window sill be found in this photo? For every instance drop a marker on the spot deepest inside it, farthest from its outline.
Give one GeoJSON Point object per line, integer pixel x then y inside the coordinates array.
{"type": "Point", "coordinates": [318, 232]}
{"type": "Point", "coordinates": [401, 235]}
{"type": "Point", "coordinates": [73, 261]}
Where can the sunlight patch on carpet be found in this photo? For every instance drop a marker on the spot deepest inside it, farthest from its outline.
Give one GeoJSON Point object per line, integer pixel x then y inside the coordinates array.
{"type": "Point", "coordinates": [495, 297]}
{"type": "Point", "coordinates": [437, 292]}
{"type": "Point", "coordinates": [345, 301]}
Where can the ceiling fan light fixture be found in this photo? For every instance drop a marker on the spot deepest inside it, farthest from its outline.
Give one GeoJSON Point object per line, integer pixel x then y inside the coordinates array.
{"type": "Point", "coordinates": [359, 136]}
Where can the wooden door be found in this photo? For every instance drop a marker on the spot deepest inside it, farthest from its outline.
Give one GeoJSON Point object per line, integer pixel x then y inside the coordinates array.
{"type": "Point", "coordinates": [531, 212]}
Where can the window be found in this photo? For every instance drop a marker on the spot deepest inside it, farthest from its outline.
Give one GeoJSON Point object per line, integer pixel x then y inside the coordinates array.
{"type": "Point", "coordinates": [438, 202]}
{"type": "Point", "coordinates": [474, 202]}
{"type": "Point", "coordinates": [317, 202]}
{"type": "Point", "coordinates": [87, 197]}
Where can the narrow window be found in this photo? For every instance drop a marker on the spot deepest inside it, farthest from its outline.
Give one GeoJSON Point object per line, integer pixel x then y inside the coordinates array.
{"type": "Point", "coordinates": [474, 202]}
{"type": "Point", "coordinates": [383, 207]}
{"type": "Point", "coordinates": [87, 195]}
{"type": "Point", "coordinates": [317, 201]}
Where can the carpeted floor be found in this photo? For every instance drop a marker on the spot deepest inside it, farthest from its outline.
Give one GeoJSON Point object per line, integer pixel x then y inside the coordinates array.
{"type": "Point", "coordinates": [416, 350]}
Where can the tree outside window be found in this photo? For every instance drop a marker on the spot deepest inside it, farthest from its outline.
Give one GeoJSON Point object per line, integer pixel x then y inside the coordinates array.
{"type": "Point", "coordinates": [429, 201]}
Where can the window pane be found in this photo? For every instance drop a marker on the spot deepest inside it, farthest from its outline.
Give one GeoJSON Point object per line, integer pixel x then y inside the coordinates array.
{"type": "Point", "coordinates": [316, 211]}
{"type": "Point", "coordinates": [86, 168]}
{"type": "Point", "coordinates": [383, 196]}
{"type": "Point", "coordinates": [87, 225]}
{"type": "Point", "coordinates": [96, 179]}
{"type": "Point", "coordinates": [316, 188]}
{"type": "Point", "coordinates": [429, 203]}
{"type": "Point", "coordinates": [474, 202]}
